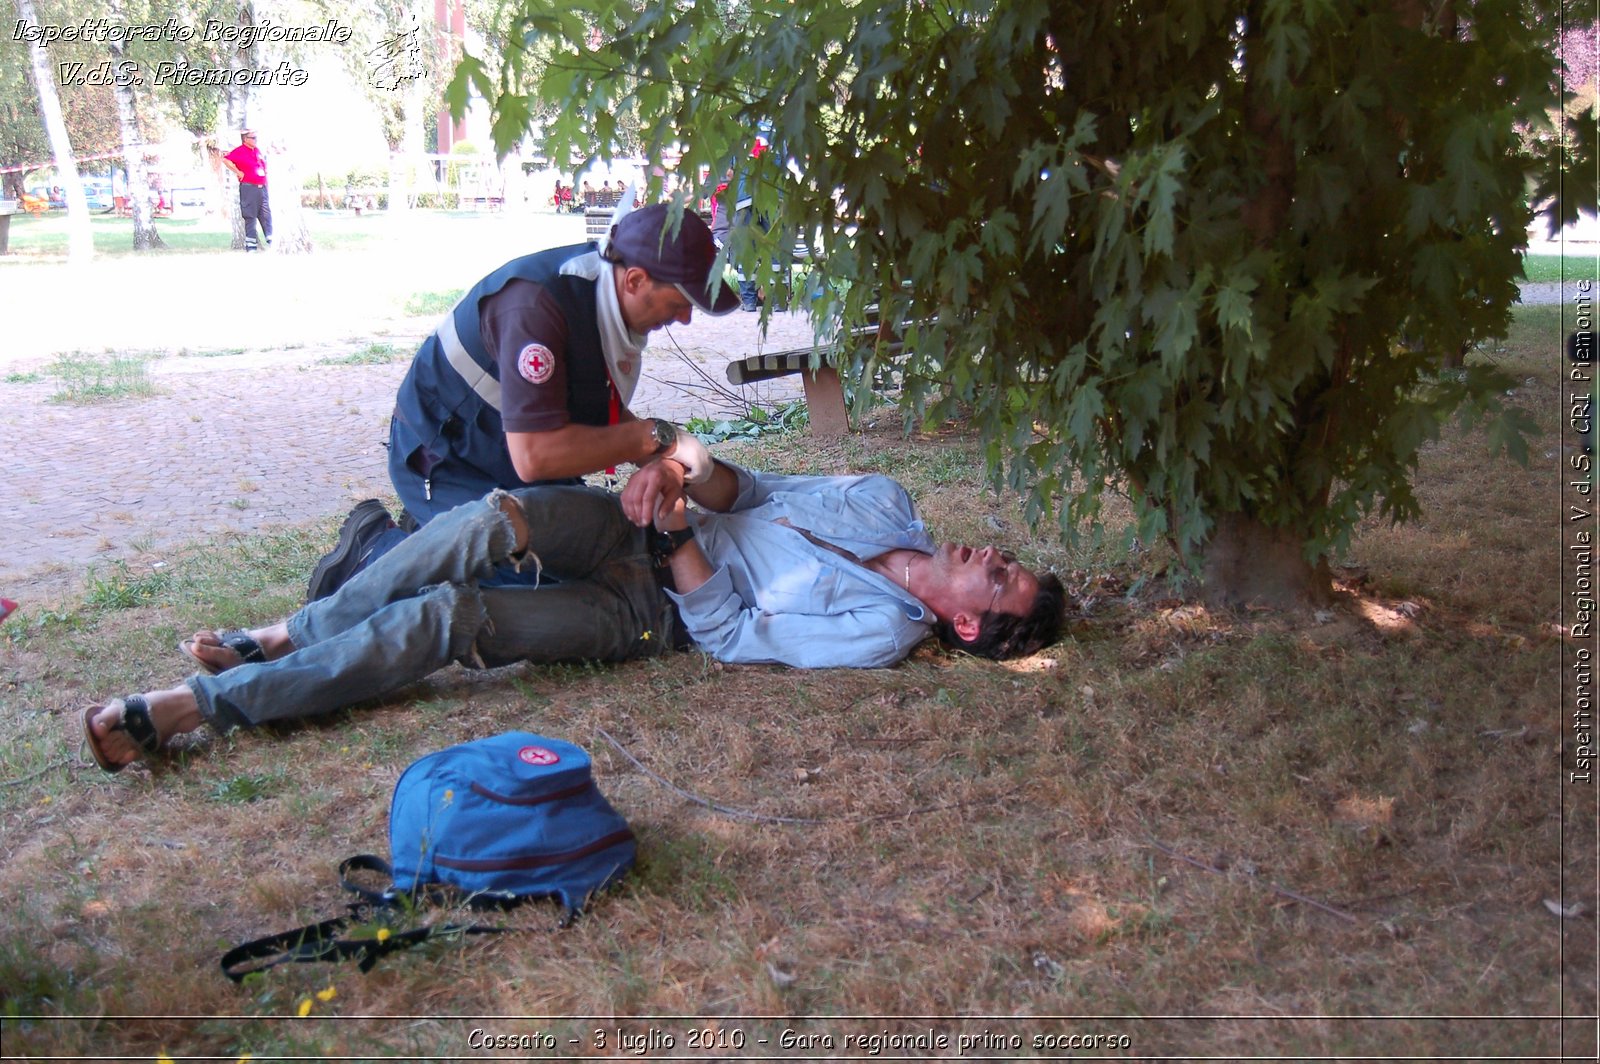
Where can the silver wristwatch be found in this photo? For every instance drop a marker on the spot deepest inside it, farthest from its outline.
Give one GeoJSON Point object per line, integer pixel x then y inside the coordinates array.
{"type": "Point", "coordinates": [666, 435]}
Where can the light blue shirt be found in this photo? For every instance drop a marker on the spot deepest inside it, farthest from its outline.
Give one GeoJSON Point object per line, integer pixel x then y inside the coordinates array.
{"type": "Point", "coordinates": [775, 596]}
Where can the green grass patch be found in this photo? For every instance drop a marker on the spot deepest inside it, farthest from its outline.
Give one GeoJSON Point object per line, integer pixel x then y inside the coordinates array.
{"type": "Point", "coordinates": [375, 354]}
{"type": "Point", "coordinates": [121, 589]}
{"type": "Point", "coordinates": [1541, 268]}
{"type": "Point", "coordinates": [432, 304]}
{"type": "Point", "coordinates": [86, 378]}
{"type": "Point", "coordinates": [30, 377]}
{"type": "Point", "coordinates": [241, 790]}
{"type": "Point", "coordinates": [758, 421]}
{"type": "Point", "coordinates": [45, 236]}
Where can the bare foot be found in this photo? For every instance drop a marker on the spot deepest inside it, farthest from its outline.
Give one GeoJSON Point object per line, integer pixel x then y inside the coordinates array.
{"type": "Point", "coordinates": [220, 651]}
{"type": "Point", "coordinates": [172, 712]}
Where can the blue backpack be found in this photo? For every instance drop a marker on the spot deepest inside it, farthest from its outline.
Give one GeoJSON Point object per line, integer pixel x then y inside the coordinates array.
{"type": "Point", "coordinates": [492, 822]}
{"type": "Point", "coordinates": [506, 818]}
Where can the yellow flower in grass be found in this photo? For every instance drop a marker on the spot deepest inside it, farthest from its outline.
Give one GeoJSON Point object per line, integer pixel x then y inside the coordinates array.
{"type": "Point", "coordinates": [383, 934]}
{"type": "Point", "coordinates": [646, 636]}
{"type": "Point", "coordinates": [327, 995]}
{"type": "Point", "coordinates": [305, 1008]}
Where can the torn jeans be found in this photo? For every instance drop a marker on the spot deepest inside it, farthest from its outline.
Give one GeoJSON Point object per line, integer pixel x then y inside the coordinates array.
{"type": "Point", "coordinates": [421, 606]}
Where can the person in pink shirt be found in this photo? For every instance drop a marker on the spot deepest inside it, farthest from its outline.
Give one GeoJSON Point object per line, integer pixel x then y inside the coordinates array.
{"type": "Point", "coordinates": [250, 167]}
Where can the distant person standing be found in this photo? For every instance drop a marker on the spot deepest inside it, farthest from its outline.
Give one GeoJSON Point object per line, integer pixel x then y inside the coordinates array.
{"type": "Point", "coordinates": [744, 214]}
{"type": "Point", "coordinates": [721, 211]}
{"type": "Point", "coordinates": [250, 168]}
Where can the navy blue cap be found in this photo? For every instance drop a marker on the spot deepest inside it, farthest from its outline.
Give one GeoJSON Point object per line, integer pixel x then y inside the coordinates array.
{"type": "Point", "coordinates": [683, 259]}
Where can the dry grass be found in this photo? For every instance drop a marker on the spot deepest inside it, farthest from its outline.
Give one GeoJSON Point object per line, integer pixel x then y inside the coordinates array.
{"type": "Point", "coordinates": [1374, 795]}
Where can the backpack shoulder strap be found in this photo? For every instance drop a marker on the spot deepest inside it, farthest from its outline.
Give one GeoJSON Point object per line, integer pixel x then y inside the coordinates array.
{"type": "Point", "coordinates": [321, 942]}
{"type": "Point", "coordinates": [367, 862]}
{"type": "Point", "coordinates": [324, 941]}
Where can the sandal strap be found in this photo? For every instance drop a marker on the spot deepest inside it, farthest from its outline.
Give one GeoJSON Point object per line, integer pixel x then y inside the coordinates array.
{"type": "Point", "coordinates": [241, 643]}
{"type": "Point", "coordinates": [137, 723]}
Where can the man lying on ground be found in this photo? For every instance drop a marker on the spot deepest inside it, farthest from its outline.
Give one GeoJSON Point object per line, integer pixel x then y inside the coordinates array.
{"type": "Point", "coordinates": [812, 572]}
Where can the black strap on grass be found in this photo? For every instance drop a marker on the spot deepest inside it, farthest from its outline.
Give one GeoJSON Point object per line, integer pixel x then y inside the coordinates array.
{"type": "Point", "coordinates": [322, 942]}
{"type": "Point", "coordinates": [325, 942]}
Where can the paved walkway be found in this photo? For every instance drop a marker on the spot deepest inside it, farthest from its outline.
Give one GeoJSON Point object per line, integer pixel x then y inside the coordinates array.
{"type": "Point", "coordinates": [247, 441]}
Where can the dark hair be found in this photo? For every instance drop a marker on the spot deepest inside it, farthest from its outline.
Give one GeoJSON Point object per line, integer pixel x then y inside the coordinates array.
{"type": "Point", "coordinates": [1012, 635]}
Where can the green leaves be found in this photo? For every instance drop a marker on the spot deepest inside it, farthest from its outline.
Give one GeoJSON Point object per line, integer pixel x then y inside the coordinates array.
{"type": "Point", "coordinates": [1084, 410]}
{"type": "Point", "coordinates": [1232, 303]}
{"type": "Point", "coordinates": [1157, 191]}
{"type": "Point", "coordinates": [470, 77]}
{"type": "Point", "coordinates": [1204, 253]}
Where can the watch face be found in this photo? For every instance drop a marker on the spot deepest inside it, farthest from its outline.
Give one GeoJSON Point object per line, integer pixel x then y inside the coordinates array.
{"type": "Point", "coordinates": [666, 435]}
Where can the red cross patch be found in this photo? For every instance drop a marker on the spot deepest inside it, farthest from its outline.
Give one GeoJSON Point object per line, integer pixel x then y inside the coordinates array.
{"type": "Point", "coordinates": [537, 755]}
{"type": "Point", "coordinates": [536, 363]}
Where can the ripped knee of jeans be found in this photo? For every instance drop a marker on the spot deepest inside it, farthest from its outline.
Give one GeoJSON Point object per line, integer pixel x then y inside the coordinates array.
{"type": "Point", "coordinates": [469, 621]}
{"type": "Point", "coordinates": [515, 523]}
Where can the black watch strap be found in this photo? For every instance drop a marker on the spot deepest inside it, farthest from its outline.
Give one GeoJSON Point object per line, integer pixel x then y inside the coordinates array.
{"type": "Point", "coordinates": [663, 545]}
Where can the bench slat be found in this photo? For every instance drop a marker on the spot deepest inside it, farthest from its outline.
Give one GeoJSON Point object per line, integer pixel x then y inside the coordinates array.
{"type": "Point", "coordinates": [824, 390]}
{"type": "Point", "coordinates": [777, 364]}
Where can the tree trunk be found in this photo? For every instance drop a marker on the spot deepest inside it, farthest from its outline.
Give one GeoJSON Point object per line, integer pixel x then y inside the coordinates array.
{"type": "Point", "coordinates": [1248, 564]}
{"type": "Point", "coordinates": [228, 201]}
{"type": "Point", "coordinates": [1266, 212]}
{"type": "Point", "coordinates": [410, 147]}
{"type": "Point", "coordinates": [289, 233]}
{"type": "Point", "coordinates": [237, 114]}
{"type": "Point", "coordinates": [80, 238]}
{"type": "Point", "coordinates": [220, 189]}
{"type": "Point", "coordinates": [145, 237]}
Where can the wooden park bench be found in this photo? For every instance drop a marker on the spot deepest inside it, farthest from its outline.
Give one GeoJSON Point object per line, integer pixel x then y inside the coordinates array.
{"type": "Point", "coordinates": [597, 221]}
{"type": "Point", "coordinates": [824, 390]}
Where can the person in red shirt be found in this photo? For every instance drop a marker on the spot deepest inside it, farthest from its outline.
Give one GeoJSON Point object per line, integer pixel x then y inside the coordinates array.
{"type": "Point", "coordinates": [250, 167]}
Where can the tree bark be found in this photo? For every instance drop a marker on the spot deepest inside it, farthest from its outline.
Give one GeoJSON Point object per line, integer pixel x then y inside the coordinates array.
{"type": "Point", "coordinates": [80, 238]}
{"type": "Point", "coordinates": [1266, 212]}
{"type": "Point", "coordinates": [1247, 563]}
{"type": "Point", "coordinates": [134, 157]}
{"type": "Point", "coordinates": [289, 233]}
{"type": "Point", "coordinates": [237, 114]}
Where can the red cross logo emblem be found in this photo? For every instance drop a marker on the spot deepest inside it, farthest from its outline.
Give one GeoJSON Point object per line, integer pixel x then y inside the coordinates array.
{"type": "Point", "coordinates": [536, 363]}
{"type": "Point", "coordinates": [536, 755]}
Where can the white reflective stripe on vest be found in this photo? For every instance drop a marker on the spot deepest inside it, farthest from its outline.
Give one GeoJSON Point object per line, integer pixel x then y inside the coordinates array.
{"type": "Point", "coordinates": [477, 378]}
